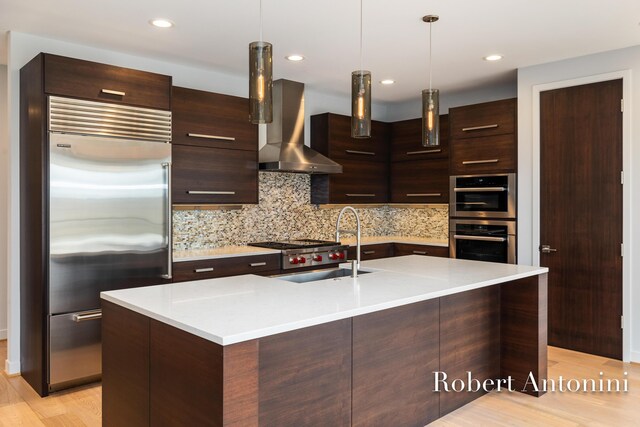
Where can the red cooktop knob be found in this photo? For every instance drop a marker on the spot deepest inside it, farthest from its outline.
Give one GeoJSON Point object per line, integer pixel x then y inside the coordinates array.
{"type": "Point", "coordinates": [333, 256]}
{"type": "Point", "coordinates": [293, 260]}
{"type": "Point", "coordinates": [317, 258]}
{"type": "Point", "coordinates": [302, 260]}
{"type": "Point", "coordinates": [341, 255]}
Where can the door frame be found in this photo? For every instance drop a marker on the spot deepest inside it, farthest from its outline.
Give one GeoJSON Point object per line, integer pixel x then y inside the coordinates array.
{"type": "Point", "coordinates": [625, 75]}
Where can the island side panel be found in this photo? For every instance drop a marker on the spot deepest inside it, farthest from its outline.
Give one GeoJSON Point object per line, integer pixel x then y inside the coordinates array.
{"type": "Point", "coordinates": [305, 377]}
{"type": "Point", "coordinates": [186, 378]}
{"type": "Point", "coordinates": [125, 367]}
{"type": "Point", "coordinates": [524, 331]}
{"type": "Point", "coordinates": [395, 353]}
{"type": "Point", "coordinates": [469, 341]}
{"type": "Point", "coordinates": [240, 384]}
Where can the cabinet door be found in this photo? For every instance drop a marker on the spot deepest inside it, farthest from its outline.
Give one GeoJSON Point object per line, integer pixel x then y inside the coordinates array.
{"type": "Point", "coordinates": [401, 249]}
{"type": "Point", "coordinates": [90, 80]}
{"type": "Point", "coordinates": [486, 119]}
{"type": "Point", "coordinates": [367, 252]}
{"type": "Point", "coordinates": [420, 181]}
{"type": "Point", "coordinates": [406, 141]}
{"type": "Point", "coordinates": [491, 154]}
{"type": "Point", "coordinates": [343, 146]}
{"type": "Point", "coordinates": [213, 175]}
{"type": "Point", "coordinates": [212, 120]}
{"type": "Point", "coordinates": [223, 267]}
{"type": "Point", "coordinates": [359, 183]}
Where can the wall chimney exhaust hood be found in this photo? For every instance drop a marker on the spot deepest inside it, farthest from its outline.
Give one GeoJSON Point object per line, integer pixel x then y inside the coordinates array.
{"type": "Point", "coordinates": [285, 150]}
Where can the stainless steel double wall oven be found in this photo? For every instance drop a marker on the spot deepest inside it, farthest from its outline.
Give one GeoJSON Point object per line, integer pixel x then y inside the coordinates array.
{"type": "Point", "coordinates": [483, 217]}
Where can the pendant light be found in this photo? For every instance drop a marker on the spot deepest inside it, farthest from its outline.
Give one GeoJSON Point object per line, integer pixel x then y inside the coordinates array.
{"type": "Point", "coordinates": [260, 79]}
{"type": "Point", "coordinates": [430, 102]}
{"type": "Point", "coordinates": [361, 97]}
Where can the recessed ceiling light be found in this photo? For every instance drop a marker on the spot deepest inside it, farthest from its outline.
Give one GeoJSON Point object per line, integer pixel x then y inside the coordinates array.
{"type": "Point", "coordinates": [161, 23]}
{"type": "Point", "coordinates": [294, 58]}
{"type": "Point", "coordinates": [494, 57]}
{"type": "Point", "coordinates": [387, 81]}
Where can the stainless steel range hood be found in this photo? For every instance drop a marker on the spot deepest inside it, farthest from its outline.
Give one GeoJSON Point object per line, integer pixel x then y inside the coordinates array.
{"type": "Point", "coordinates": [285, 150]}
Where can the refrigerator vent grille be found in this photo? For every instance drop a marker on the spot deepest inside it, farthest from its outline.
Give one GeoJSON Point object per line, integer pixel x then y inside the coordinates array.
{"type": "Point", "coordinates": [77, 116]}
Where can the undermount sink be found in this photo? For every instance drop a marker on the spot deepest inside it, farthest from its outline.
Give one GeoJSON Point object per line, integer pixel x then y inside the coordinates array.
{"type": "Point", "coordinates": [314, 276]}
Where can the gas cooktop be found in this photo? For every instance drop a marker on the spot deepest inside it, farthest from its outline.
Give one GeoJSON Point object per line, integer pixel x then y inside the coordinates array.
{"type": "Point", "coordinates": [295, 244]}
{"type": "Point", "coordinates": [307, 252]}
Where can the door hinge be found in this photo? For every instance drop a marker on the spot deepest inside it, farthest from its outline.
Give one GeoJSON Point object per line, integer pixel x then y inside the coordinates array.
{"type": "Point", "coordinates": [622, 249]}
{"type": "Point", "coordinates": [621, 322]}
{"type": "Point", "coordinates": [622, 105]}
{"type": "Point", "coordinates": [622, 177]}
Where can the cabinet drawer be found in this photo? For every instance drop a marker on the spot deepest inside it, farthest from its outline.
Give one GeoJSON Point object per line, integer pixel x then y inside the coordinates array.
{"type": "Point", "coordinates": [359, 183]}
{"type": "Point", "coordinates": [331, 136]}
{"type": "Point", "coordinates": [406, 141]}
{"type": "Point", "coordinates": [420, 181]}
{"type": "Point", "coordinates": [367, 252]}
{"type": "Point", "coordinates": [212, 175]}
{"type": "Point", "coordinates": [489, 118]}
{"type": "Point", "coordinates": [91, 80]}
{"type": "Point", "coordinates": [491, 154]}
{"type": "Point", "coordinates": [222, 267]}
{"type": "Point", "coordinates": [401, 249]}
{"type": "Point", "coordinates": [212, 120]}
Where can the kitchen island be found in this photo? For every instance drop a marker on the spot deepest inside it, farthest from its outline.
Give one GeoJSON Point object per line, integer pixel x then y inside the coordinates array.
{"type": "Point", "coordinates": [251, 350]}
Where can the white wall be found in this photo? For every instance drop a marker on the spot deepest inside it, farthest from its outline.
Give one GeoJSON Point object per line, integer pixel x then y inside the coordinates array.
{"type": "Point", "coordinates": [613, 61]}
{"type": "Point", "coordinates": [4, 152]}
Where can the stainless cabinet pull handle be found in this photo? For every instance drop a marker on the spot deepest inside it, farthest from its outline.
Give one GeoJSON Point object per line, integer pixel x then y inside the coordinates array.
{"type": "Point", "coordinates": [360, 195]}
{"type": "Point", "coordinates": [479, 162]}
{"type": "Point", "coordinates": [369, 252]}
{"type": "Point", "coordinates": [479, 190]}
{"type": "Point", "coordinates": [413, 153]}
{"type": "Point", "coordinates": [546, 249]}
{"type": "Point", "coordinates": [113, 92]}
{"type": "Point", "coordinates": [87, 315]}
{"type": "Point", "coordinates": [214, 193]}
{"type": "Point", "coordinates": [169, 229]}
{"type": "Point", "coordinates": [366, 153]}
{"type": "Point", "coordinates": [203, 270]}
{"type": "Point", "coordinates": [479, 128]}
{"type": "Point", "coordinates": [257, 264]}
{"type": "Point", "coordinates": [420, 252]}
{"type": "Point", "coordinates": [424, 194]}
{"type": "Point", "coordinates": [201, 135]}
{"type": "Point", "coordinates": [480, 238]}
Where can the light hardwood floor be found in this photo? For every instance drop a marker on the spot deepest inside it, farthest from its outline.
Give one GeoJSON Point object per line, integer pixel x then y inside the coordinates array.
{"type": "Point", "coordinates": [21, 406]}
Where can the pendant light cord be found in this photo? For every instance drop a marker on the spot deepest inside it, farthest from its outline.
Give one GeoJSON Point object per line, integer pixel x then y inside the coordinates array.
{"type": "Point", "coordinates": [430, 53]}
{"type": "Point", "coordinates": [361, 73]}
{"type": "Point", "coordinates": [261, 21]}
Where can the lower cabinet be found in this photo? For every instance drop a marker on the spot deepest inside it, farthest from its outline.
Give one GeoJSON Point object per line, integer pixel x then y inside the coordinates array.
{"type": "Point", "coordinates": [263, 265]}
{"type": "Point", "coordinates": [401, 249]}
{"type": "Point", "coordinates": [368, 252]}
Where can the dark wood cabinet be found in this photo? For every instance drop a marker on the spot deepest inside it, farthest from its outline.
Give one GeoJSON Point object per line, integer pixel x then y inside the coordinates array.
{"type": "Point", "coordinates": [401, 249]}
{"type": "Point", "coordinates": [365, 162]}
{"type": "Point", "coordinates": [107, 83]}
{"type": "Point", "coordinates": [263, 265]}
{"type": "Point", "coordinates": [377, 251]}
{"type": "Point", "coordinates": [208, 119]}
{"type": "Point", "coordinates": [484, 138]}
{"type": "Point", "coordinates": [202, 175]}
{"type": "Point", "coordinates": [406, 141]}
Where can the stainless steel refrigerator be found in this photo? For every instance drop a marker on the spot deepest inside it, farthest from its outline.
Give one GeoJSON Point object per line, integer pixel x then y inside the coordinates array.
{"type": "Point", "coordinates": [109, 216]}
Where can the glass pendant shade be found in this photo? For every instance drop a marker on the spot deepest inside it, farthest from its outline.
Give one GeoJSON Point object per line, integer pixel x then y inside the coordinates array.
{"type": "Point", "coordinates": [430, 118]}
{"type": "Point", "coordinates": [361, 104]}
{"type": "Point", "coordinates": [260, 82]}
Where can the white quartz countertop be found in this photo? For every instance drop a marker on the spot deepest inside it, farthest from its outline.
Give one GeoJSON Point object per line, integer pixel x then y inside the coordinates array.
{"type": "Point", "coordinates": [221, 252]}
{"type": "Point", "coordinates": [241, 308]}
{"type": "Point", "coordinates": [351, 241]}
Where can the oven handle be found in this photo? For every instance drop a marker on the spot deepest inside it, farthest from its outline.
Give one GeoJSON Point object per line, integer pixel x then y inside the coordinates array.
{"type": "Point", "coordinates": [482, 238]}
{"type": "Point", "coordinates": [480, 190]}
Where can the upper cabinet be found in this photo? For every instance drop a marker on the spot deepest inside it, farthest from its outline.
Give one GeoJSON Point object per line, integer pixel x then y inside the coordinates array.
{"type": "Point", "coordinates": [365, 162]}
{"type": "Point", "coordinates": [76, 78]}
{"type": "Point", "coordinates": [484, 138]}
{"type": "Point", "coordinates": [215, 149]}
{"type": "Point", "coordinates": [419, 174]}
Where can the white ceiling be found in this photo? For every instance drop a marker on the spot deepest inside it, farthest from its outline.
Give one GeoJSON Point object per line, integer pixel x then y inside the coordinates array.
{"type": "Point", "coordinates": [216, 33]}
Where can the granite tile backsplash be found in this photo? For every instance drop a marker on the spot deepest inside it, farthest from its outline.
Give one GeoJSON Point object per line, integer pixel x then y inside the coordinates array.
{"type": "Point", "coordinates": [285, 212]}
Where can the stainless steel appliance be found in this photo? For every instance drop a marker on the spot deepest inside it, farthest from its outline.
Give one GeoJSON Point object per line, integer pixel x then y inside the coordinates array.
{"type": "Point", "coordinates": [307, 252]}
{"type": "Point", "coordinates": [109, 221]}
{"type": "Point", "coordinates": [483, 240]}
{"type": "Point", "coordinates": [483, 196]}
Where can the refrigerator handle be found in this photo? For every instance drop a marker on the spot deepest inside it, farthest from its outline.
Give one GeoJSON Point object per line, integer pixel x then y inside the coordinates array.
{"type": "Point", "coordinates": [169, 231]}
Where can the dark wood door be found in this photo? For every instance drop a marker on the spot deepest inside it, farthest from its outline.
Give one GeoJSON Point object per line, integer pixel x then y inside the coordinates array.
{"type": "Point", "coordinates": [581, 215]}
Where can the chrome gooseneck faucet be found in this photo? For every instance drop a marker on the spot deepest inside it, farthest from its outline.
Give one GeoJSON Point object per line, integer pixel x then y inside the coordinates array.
{"type": "Point", "coordinates": [355, 232]}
